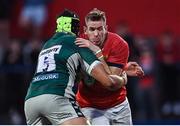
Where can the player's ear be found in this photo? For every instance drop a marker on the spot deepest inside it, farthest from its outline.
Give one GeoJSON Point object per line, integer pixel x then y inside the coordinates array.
{"type": "Point", "coordinates": [85, 29]}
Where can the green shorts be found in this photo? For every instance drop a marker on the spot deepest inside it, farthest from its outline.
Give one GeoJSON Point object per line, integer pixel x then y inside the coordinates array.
{"type": "Point", "coordinates": [50, 109]}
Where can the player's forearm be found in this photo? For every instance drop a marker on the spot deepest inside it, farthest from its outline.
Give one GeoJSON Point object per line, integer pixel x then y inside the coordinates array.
{"type": "Point", "coordinates": [124, 77]}
{"type": "Point", "coordinates": [95, 49]}
{"type": "Point", "coordinates": [111, 82]}
{"type": "Point", "coordinates": [121, 75]}
{"type": "Point", "coordinates": [119, 82]}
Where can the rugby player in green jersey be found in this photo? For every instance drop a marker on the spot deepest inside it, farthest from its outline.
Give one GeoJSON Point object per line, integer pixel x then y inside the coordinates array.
{"type": "Point", "coordinates": [51, 95]}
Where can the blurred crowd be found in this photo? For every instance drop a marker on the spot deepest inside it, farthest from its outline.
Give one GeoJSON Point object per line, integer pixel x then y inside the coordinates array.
{"type": "Point", "coordinates": [154, 97]}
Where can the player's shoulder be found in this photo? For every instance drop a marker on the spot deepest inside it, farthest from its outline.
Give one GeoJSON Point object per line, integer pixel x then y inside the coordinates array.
{"type": "Point", "coordinates": [69, 37]}
{"type": "Point", "coordinates": [68, 40]}
{"type": "Point", "coordinates": [116, 39]}
{"type": "Point", "coordinates": [61, 39]}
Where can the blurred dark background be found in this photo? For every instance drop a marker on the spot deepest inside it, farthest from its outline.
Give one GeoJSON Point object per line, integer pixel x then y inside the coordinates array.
{"type": "Point", "coordinates": [151, 28]}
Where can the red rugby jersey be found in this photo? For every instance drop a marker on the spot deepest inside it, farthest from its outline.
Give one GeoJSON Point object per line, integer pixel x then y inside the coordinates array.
{"type": "Point", "coordinates": [116, 52]}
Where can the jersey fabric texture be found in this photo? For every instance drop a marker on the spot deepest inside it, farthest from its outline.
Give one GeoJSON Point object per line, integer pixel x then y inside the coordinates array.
{"type": "Point", "coordinates": [91, 93]}
{"type": "Point", "coordinates": [58, 64]}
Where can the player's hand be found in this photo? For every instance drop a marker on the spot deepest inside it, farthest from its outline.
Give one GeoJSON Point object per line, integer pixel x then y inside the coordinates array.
{"type": "Point", "coordinates": [133, 69]}
{"type": "Point", "coordinates": [86, 43]}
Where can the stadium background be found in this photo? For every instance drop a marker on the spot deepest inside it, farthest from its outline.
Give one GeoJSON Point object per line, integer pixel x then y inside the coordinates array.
{"type": "Point", "coordinates": [148, 17]}
{"type": "Point", "coordinates": [146, 20]}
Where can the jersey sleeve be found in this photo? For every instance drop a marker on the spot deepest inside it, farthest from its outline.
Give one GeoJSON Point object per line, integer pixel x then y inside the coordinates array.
{"type": "Point", "coordinates": [119, 54]}
{"type": "Point", "coordinates": [89, 60]}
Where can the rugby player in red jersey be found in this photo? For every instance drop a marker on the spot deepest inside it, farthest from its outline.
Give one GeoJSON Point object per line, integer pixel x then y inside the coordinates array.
{"type": "Point", "coordinates": [100, 105]}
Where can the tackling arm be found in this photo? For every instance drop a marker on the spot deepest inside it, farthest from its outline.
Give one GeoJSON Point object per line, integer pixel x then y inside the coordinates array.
{"type": "Point", "coordinates": [111, 82]}
{"type": "Point", "coordinates": [116, 73]}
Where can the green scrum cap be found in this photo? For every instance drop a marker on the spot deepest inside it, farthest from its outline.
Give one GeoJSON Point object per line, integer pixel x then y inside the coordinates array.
{"type": "Point", "coordinates": [68, 21]}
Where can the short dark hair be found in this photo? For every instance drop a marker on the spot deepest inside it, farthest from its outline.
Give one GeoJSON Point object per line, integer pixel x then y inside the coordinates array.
{"type": "Point", "coordinates": [95, 15]}
{"type": "Point", "coordinates": [68, 21]}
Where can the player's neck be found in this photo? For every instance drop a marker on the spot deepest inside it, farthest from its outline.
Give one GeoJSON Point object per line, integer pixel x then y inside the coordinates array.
{"type": "Point", "coordinates": [101, 45]}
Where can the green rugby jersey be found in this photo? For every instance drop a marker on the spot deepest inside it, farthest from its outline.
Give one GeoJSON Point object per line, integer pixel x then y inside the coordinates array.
{"type": "Point", "coordinates": [59, 62]}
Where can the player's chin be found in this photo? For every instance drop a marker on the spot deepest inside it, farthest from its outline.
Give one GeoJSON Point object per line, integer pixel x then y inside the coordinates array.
{"type": "Point", "coordinates": [95, 43]}
{"type": "Point", "coordinates": [140, 74]}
